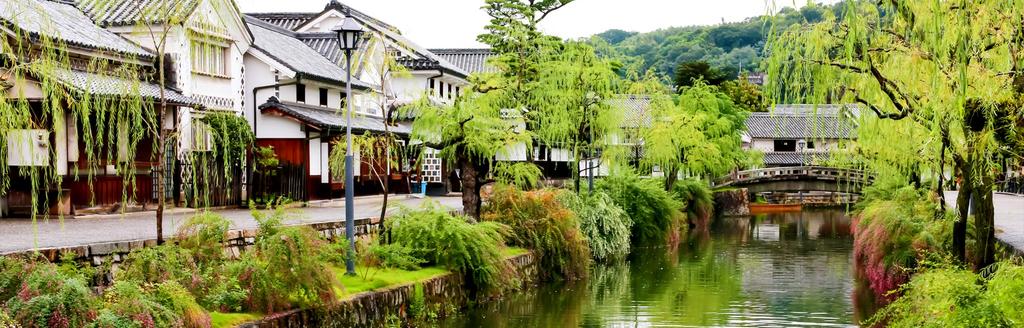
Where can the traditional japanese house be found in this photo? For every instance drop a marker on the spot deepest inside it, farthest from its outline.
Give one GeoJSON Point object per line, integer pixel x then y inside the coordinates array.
{"type": "Point", "coordinates": [795, 135]}
{"type": "Point", "coordinates": [428, 75]}
{"type": "Point", "coordinates": [78, 103]}
{"type": "Point", "coordinates": [298, 111]}
{"type": "Point", "coordinates": [204, 41]}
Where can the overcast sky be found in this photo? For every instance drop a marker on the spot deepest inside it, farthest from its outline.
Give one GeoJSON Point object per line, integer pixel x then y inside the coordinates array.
{"type": "Point", "coordinates": [456, 23]}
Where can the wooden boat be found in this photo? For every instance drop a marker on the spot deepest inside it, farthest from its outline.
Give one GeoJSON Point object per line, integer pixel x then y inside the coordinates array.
{"type": "Point", "coordinates": [774, 208]}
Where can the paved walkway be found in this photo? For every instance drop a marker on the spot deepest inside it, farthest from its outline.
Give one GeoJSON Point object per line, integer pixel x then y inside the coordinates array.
{"type": "Point", "coordinates": [23, 234]}
{"type": "Point", "coordinates": [1009, 217]}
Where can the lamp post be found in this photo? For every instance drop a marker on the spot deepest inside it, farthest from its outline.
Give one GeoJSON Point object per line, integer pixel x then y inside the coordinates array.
{"type": "Point", "coordinates": [349, 32]}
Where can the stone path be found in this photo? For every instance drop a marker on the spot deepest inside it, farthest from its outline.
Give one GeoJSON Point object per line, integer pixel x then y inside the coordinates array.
{"type": "Point", "coordinates": [23, 234]}
{"type": "Point", "coordinates": [1009, 217]}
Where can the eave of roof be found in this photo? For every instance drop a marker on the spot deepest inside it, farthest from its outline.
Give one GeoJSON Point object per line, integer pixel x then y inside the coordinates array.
{"type": "Point", "coordinates": [329, 119]}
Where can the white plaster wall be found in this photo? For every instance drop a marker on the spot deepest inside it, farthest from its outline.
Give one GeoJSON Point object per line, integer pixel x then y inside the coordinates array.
{"type": "Point", "coordinates": [512, 153]}
{"type": "Point", "coordinates": [765, 145]}
{"type": "Point", "coordinates": [314, 156]}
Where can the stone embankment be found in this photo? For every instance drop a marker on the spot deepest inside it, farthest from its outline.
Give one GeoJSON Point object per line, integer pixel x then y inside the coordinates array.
{"type": "Point", "coordinates": [442, 296]}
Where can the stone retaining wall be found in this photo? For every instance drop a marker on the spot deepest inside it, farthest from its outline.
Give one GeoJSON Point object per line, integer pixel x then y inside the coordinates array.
{"type": "Point", "coordinates": [235, 242]}
{"type": "Point", "coordinates": [443, 295]}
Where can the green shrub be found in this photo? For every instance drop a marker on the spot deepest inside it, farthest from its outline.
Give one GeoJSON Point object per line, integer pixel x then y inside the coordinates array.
{"type": "Point", "coordinates": [947, 297]}
{"type": "Point", "coordinates": [605, 225]}
{"type": "Point", "coordinates": [654, 213]}
{"type": "Point", "coordinates": [894, 230]}
{"type": "Point", "coordinates": [203, 234]}
{"type": "Point", "coordinates": [49, 298]}
{"type": "Point", "coordinates": [473, 250]}
{"type": "Point", "coordinates": [284, 270]}
{"type": "Point", "coordinates": [12, 273]}
{"type": "Point", "coordinates": [5, 320]}
{"type": "Point", "coordinates": [396, 256]}
{"type": "Point", "coordinates": [541, 221]}
{"type": "Point", "coordinates": [161, 263]}
{"type": "Point", "coordinates": [698, 203]}
{"type": "Point", "coordinates": [130, 300]}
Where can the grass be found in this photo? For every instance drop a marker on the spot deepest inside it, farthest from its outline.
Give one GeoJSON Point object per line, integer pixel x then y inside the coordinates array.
{"type": "Point", "coordinates": [510, 252]}
{"type": "Point", "coordinates": [383, 278]}
{"type": "Point", "coordinates": [227, 320]}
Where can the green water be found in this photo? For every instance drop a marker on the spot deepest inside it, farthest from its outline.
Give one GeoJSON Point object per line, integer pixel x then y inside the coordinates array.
{"type": "Point", "coordinates": [790, 269]}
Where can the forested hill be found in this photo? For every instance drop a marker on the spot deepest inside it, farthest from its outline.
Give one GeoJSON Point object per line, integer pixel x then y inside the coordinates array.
{"type": "Point", "coordinates": [729, 47]}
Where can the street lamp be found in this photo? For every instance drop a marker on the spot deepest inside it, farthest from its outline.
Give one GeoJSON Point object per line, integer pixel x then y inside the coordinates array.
{"type": "Point", "coordinates": [349, 32]}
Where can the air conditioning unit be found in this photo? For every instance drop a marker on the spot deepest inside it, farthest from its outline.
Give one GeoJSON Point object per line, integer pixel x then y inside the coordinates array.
{"type": "Point", "coordinates": [28, 148]}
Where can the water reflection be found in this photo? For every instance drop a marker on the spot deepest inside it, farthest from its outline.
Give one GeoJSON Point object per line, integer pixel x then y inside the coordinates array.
{"type": "Point", "coordinates": [772, 270]}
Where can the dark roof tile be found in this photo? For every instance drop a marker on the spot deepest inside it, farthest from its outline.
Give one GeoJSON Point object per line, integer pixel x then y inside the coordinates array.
{"type": "Point", "coordinates": [470, 60]}
{"type": "Point", "coordinates": [329, 118]}
{"type": "Point", "coordinates": [66, 23]}
{"type": "Point", "coordinates": [282, 45]}
{"type": "Point", "coordinates": [127, 12]}
{"type": "Point", "coordinates": [804, 121]}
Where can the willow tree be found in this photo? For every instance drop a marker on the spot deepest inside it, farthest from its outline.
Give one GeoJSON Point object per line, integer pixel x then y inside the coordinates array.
{"type": "Point", "coordinates": [699, 134]}
{"type": "Point", "coordinates": [953, 68]}
{"type": "Point", "coordinates": [520, 49]}
{"type": "Point", "coordinates": [575, 86]}
{"type": "Point", "coordinates": [470, 136]}
{"type": "Point", "coordinates": [109, 121]}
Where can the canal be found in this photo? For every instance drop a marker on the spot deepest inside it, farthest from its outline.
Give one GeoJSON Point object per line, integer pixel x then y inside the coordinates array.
{"type": "Point", "coordinates": [787, 269]}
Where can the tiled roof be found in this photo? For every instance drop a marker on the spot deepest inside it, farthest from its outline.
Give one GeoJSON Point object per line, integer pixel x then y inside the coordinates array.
{"type": "Point", "coordinates": [333, 119]}
{"type": "Point", "coordinates": [282, 45]}
{"type": "Point", "coordinates": [288, 21]}
{"type": "Point", "coordinates": [126, 12]}
{"type": "Point", "coordinates": [803, 121]}
{"type": "Point", "coordinates": [291, 21]}
{"type": "Point", "coordinates": [470, 60]}
{"type": "Point", "coordinates": [104, 85]}
{"type": "Point", "coordinates": [819, 109]}
{"type": "Point", "coordinates": [793, 158]}
{"type": "Point", "coordinates": [66, 23]}
{"type": "Point", "coordinates": [327, 43]}
{"type": "Point", "coordinates": [636, 110]}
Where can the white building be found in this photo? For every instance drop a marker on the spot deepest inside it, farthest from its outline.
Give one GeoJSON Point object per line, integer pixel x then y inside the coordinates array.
{"type": "Point", "coordinates": [794, 135]}
{"type": "Point", "coordinates": [428, 75]}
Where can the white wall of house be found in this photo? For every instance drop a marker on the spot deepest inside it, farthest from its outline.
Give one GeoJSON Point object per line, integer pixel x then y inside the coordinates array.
{"type": "Point", "coordinates": [820, 145]}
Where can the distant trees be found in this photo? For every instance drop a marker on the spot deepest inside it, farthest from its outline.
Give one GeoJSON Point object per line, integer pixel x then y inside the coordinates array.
{"type": "Point", "coordinates": [689, 73]}
{"type": "Point", "coordinates": [732, 48]}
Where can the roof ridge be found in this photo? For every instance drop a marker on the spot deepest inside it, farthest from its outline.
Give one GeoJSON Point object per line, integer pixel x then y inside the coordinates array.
{"type": "Point", "coordinates": [263, 24]}
{"type": "Point", "coordinates": [481, 50]}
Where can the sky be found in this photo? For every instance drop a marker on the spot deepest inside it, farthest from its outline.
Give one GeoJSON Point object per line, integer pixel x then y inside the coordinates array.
{"type": "Point", "coordinates": [456, 23]}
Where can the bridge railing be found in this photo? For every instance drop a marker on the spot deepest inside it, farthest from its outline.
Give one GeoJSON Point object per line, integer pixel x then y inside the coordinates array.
{"type": "Point", "coordinates": [818, 172]}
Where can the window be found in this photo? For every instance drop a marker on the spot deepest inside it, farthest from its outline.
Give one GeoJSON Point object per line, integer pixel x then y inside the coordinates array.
{"type": "Point", "coordinates": [431, 84]}
{"type": "Point", "coordinates": [810, 145]}
{"type": "Point", "coordinates": [785, 145]}
{"type": "Point", "coordinates": [300, 93]}
{"type": "Point", "coordinates": [441, 90]}
{"type": "Point", "coordinates": [458, 91]}
{"type": "Point", "coordinates": [323, 96]}
{"type": "Point", "coordinates": [542, 153]}
{"type": "Point", "coordinates": [209, 58]}
{"type": "Point", "coordinates": [449, 91]}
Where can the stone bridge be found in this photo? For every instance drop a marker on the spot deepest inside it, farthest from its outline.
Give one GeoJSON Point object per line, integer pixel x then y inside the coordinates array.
{"type": "Point", "coordinates": [798, 178]}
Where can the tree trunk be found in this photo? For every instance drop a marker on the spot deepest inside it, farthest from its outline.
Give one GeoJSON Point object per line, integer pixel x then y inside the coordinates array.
{"type": "Point", "coordinates": [671, 176]}
{"type": "Point", "coordinates": [984, 226]}
{"type": "Point", "coordinates": [470, 188]}
{"type": "Point", "coordinates": [963, 201]}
